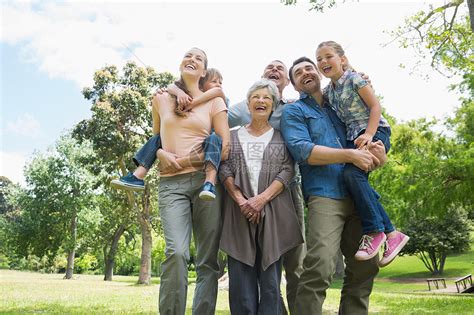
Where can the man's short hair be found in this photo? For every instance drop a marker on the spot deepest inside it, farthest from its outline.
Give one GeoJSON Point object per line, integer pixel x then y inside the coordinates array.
{"type": "Point", "coordinates": [297, 61]}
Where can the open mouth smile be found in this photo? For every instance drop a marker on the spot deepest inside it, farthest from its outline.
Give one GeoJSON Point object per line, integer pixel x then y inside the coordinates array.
{"type": "Point", "coordinates": [274, 77]}
{"type": "Point", "coordinates": [326, 69]}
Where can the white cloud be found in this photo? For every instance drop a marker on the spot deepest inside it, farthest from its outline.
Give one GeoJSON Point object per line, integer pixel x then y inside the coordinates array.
{"type": "Point", "coordinates": [11, 166]}
{"type": "Point", "coordinates": [25, 125]}
{"type": "Point", "coordinates": [71, 40]}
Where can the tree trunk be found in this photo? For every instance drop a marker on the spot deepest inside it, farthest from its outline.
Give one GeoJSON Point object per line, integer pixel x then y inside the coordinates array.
{"type": "Point", "coordinates": [434, 262]}
{"type": "Point", "coordinates": [442, 260]}
{"type": "Point", "coordinates": [109, 257]}
{"type": "Point", "coordinates": [470, 5]}
{"type": "Point", "coordinates": [145, 226]}
{"type": "Point", "coordinates": [72, 247]}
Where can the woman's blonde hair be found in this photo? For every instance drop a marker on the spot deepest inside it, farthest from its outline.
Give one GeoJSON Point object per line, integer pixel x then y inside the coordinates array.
{"type": "Point", "coordinates": [180, 84]}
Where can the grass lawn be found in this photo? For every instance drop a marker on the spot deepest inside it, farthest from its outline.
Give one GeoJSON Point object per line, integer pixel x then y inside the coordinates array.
{"type": "Point", "coordinates": [400, 289]}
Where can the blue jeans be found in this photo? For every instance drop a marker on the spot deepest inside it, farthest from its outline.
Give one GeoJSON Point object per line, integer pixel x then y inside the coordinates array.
{"type": "Point", "coordinates": [252, 290]}
{"type": "Point", "coordinates": [212, 146]}
{"type": "Point", "coordinates": [366, 199]}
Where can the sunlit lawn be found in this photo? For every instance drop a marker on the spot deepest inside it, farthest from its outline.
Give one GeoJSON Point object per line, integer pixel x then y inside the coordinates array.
{"type": "Point", "coordinates": [400, 289]}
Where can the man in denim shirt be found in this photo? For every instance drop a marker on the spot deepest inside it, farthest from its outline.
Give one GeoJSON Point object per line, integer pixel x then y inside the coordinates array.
{"type": "Point", "coordinates": [315, 137]}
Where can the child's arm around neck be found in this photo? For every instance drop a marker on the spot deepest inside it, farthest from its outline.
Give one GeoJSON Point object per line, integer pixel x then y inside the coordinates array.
{"type": "Point", "coordinates": [207, 96]}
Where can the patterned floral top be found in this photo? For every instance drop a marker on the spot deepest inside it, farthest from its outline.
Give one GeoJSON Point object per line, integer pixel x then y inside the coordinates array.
{"type": "Point", "coordinates": [349, 106]}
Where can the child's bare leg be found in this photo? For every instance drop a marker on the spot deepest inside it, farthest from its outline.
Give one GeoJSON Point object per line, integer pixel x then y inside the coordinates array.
{"type": "Point", "coordinates": [140, 172]}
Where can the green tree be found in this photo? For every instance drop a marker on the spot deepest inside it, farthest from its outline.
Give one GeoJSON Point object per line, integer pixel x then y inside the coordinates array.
{"type": "Point", "coordinates": [428, 173]}
{"type": "Point", "coordinates": [57, 198]}
{"type": "Point", "coordinates": [4, 206]}
{"type": "Point", "coordinates": [432, 239]}
{"type": "Point", "coordinates": [120, 124]}
{"type": "Point", "coordinates": [443, 36]}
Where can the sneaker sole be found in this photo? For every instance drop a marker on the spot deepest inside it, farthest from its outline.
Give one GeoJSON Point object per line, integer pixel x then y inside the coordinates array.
{"type": "Point", "coordinates": [206, 195]}
{"type": "Point", "coordinates": [125, 186]}
{"type": "Point", "coordinates": [375, 253]}
{"type": "Point", "coordinates": [385, 261]}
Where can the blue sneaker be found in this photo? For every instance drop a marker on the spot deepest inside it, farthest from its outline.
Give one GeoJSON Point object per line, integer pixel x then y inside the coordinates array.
{"type": "Point", "coordinates": [208, 192]}
{"type": "Point", "coordinates": [128, 182]}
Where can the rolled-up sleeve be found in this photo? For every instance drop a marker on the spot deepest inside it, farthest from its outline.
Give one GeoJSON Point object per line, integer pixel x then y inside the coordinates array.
{"type": "Point", "coordinates": [226, 168]}
{"type": "Point", "coordinates": [236, 115]}
{"type": "Point", "coordinates": [296, 134]}
{"type": "Point", "coordinates": [287, 172]}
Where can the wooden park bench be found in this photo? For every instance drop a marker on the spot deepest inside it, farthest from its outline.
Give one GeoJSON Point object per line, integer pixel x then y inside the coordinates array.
{"type": "Point", "coordinates": [436, 282]}
{"type": "Point", "coordinates": [464, 284]}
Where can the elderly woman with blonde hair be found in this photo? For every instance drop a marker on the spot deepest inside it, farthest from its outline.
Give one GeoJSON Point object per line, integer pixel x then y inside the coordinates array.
{"type": "Point", "coordinates": [259, 219]}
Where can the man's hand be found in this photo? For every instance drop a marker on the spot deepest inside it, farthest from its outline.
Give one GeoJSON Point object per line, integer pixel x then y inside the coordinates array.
{"type": "Point", "coordinates": [364, 160]}
{"type": "Point", "coordinates": [378, 150]}
{"type": "Point", "coordinates": [168, 161]}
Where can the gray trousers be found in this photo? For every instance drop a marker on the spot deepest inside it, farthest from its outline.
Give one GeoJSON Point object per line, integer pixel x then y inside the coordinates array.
{"type": "Point", "coordinates": [334, 224]}
{"type": "Point", "coordinates": [293, 259]}
{"type": "Point", "coordinates": [183, 213]}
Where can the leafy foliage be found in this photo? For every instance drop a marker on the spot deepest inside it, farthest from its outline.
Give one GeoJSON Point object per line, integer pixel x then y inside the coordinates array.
{"type": "Point", "coordinates": [317, 5]}
{"type": "Point", "coordinates": [427, 174]}
{"type": "Point", "coordinates": [120, 124]}
{"type": "Point", "coordinates": [442, 37]}
{"type": "Point", "coordinates": [59, 187]}
{"type": "Point", "coordinates": [432, 239]}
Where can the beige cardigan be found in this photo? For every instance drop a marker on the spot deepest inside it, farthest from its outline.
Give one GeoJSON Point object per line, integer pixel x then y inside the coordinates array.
{"type": "Point", "coordinates": [279, 230]}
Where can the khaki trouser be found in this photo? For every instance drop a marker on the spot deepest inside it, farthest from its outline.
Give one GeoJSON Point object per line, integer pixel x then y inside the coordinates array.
{"type": "Point", "coordinates": [333, 224]}
{"type": "Point", "coordinates": [181, 212]}
{"type": "Point", "coordinates": [293, 259]}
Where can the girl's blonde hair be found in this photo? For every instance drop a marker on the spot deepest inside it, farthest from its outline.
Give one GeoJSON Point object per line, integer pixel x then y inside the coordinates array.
{"type": "Point", "coordinates": [210, 74]}
{"type": "Point", "coordinates": [339, 51]}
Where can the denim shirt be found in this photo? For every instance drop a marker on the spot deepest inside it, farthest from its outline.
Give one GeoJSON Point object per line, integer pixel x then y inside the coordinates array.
{"type": "Point", "coordinates": [305, 124]}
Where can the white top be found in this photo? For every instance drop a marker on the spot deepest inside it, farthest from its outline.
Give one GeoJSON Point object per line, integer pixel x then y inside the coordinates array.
{"type": "Point", "coordinates": [253, 148]}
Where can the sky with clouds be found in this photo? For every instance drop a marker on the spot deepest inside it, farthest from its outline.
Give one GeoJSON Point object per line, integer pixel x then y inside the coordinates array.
{"type": "Point", "coordinates": [50, 50]}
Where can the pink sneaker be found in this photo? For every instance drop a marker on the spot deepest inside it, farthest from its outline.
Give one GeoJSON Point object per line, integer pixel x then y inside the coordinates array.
{"type": "Point", "coordinates": [370, 246]}
{"type": "Point", "coordinates": [393, 246]}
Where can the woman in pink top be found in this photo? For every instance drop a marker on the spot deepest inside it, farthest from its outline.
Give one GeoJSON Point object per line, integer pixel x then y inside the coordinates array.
{"type": "Point", "coordinates": [181, 177]}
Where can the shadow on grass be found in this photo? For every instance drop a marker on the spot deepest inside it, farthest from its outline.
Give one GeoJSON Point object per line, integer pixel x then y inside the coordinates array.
{"type": "Point", "coordinates": [96, 309]}
{"type": "Point", "coordinates": [422, 275]}
{"type": "Point", "coordinates": [62, 309]}
{"type": "Point", "coordinates": [133, 282]}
